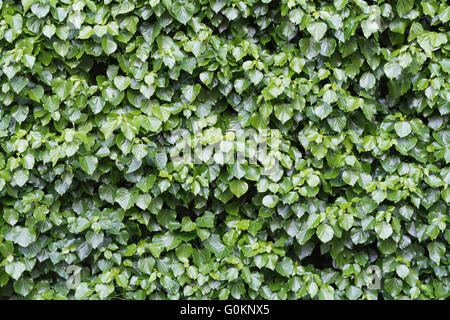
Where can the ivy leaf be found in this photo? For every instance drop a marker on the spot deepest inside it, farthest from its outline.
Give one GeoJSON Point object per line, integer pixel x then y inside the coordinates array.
{"type": "Point", "coordinates": [309, 47]}
{"type": "Point", "coordinates": [104, 290]}
{"type": "Point", "coordinates": [392, 69]}
{"type": "Point", "coordinates": [109, 46]}
{"type": "Point", "coordinates": [190, 92]}
{"type": "Point", "coordinates": [122, 82]}
{"type": "Point", "coordinates": [325, 233]}
{"type": "Point", "coordinates": [88, 164]}
{"type": "Point", "coordinates": [404, 6]}
{"type": "Point", "coordinates": [15, 269]}
{"type": "Point", "coordinates": [123, 127]}
{"type": "Point", "coordinates": [22, 236]}
{"type": "Point", "coordinates": [402, 271]}
{"type": "Point", "coordinates": [367, 80]}
{"type": "Point", "coordinates": [183, 11]}
{"type": "Point", "coordinates": [83, 291]}
{"type": "Point", "coordinates": [23, 286]}
{"type": "Point", "coordinates": [18, 83]}
{"type": "Point", "coordinates": [402, 128]}
{"type": "Point", "coordinates": [21, 177]}
{"type": "Point", "coordinates": [383, 229]}
{"type": "Point", "coordinates": [270, 201]}
{"type": "Point", "coordinates": [436, 251]}
{"type": "Point", "coordinates": [146, 265]}
{"type": "Point", "coordinates": [283, 112]}
{"type": "Point", "coordinates": [125, 198]}
{"type": "Point", "coordinates": [285, 267]}
{"type": "Point", "coordinates": [317, 30]}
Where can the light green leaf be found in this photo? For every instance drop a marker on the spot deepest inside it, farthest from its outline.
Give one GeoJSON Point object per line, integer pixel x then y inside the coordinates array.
{"type": "Point", "coordinates": [392, 69]}
{"type": "Point", "coordinates": [238, 187]}
{"type": "Point", "coordinates": [88, 164]}
{"type": "Point", "coordinates": [402, 128]}
{"type": "Point", "coordinates": [325, 232]}
{"type": "Point", "coordinates": [317, 30]}
{"type": "Point", "coordinates": [383, 229]}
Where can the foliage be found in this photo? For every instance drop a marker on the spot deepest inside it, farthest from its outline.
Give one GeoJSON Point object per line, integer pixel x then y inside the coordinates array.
{"type": "Point", "coordinates": [92, 90]}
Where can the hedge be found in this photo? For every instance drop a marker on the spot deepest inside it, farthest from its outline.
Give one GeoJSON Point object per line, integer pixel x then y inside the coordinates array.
{"type": "Point", "coordinates": [345, 181]}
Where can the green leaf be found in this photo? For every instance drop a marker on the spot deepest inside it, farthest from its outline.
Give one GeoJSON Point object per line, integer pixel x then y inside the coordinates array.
{"type": "Point", "coordinates": [11, 216]}
{"type": "Point", "coordinates": [346, 221]}
{"type": "Point", "coordinates": [22, 236]}
{"type": "Point", "coordinates": [238, 187]}
{"type": "Point", "coordinates": [61, 47]}
{"type": "Point", "coordinates": [88, 164]}
{"type": "Point", "coordinates": [104, 290]}
{"type": "Point", "coordinates": [353, 292]}
{"type": "Point", "coordinates": [367, 80]}
{"type": "Point", "coordinates": [15, 269]}
{"type": "Point", "coordinates": [83, 291]}
{"type": "Point", "coordinates": [94, 239]}
{"type": "Point", "coordinates": [369, 26]}
{"type": "Point", "coordinates": [26, 4]}
{"type": "Point", "coordinates": [183, 10]}
{"type": "Point", "coordinates": [383, 229]}
{"type": "Point", "coordinates": [18, 83]}
{"type": "Point", "coordinates": [317, 30]}
{"type": "Point", "coordinates": [393, 286]}
{"type": "Point", "coordinates": [283, 112]}
{"type": "Point", "coordinates": [190, 92]}
{"type": "Point", "coordinates": [109, 46]}
{"type": "Point", "coordinates": [240, 85]}
{"type": "Point", "coordinates": [23, 286]}
{"type": "Point", "coordinates": [183, 252]}
{"type": "Point", "coordinates": [255, 76]}
{"type": "Point", "coordinates": [146, 265]}
{"type": "Point", "coordinates": [19, 113]}
{"type": "Point", "coordinates": [270, 201]}
{"type": "Point", "coordinates": [285, 267]}
{"type": "Point", "coordinates": [125, 198]}
{"type": "Point", "coordinates": [436, 251]}
{"type": "Point", "coordinates": [392, 69]}
{"type": "Point", "coordinates": [369, 143]}
{"type": "Point", "coordinates": [122, 82]}
{"type": "Point", "coordinates": [402, 271]}
{"type": "Point", "coordinates": [49, 30]}
{"type": "Point", "coordinates": [97, 104]}
{"type": "Point", "coordinates": [404, 6]}
{"type": "Point", "coordinates": [325, 232]}
{"type": "Point", "coordinates": [309, 47]}
{"type": "Point", "coordinates": [313, 221]}
{"type": "Point", "coordinates": [402, 128]}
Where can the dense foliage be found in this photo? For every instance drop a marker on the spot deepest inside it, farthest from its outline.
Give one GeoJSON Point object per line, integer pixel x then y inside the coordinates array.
{"type": "Point", "coordinates": [91, 93]}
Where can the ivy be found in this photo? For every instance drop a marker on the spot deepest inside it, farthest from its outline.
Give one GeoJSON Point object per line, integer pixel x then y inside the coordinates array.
{"type": "Point", "coordinates": [317, 137]}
